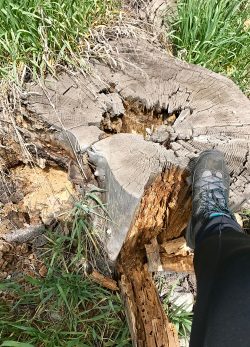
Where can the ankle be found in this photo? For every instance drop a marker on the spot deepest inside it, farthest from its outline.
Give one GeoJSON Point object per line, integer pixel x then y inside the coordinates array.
{"type": "Point", "coordinates": [215, 226]}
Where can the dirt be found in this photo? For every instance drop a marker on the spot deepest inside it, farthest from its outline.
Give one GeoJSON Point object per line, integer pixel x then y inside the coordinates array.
{"type": "Point", "coordinates": [177, 282]}
{"type": "Point", "coordinates": [47, 191]}
{"type": "Point", "coordinates": [17, 260]}
{"type": "Point", "coordinates": [34, 196]}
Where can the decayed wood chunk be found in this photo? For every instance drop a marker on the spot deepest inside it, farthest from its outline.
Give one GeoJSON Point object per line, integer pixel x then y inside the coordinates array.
{"type": "Point", "coordinates": [148, 324]}
{"type": "Point", "coordinates": [153, 256]}
{"type": "Point", "coordinates": [172, 255]}
{"type": "Point", "coordinates": [155, 218]}
{"type": "Point", "coordinates": [104, 281]}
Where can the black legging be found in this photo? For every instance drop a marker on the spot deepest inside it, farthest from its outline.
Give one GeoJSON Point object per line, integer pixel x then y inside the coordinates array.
{"type": "Point", "coordinates": [222, 268]}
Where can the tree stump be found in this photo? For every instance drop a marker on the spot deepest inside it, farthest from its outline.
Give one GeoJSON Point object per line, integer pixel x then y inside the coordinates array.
{"type": "Point", "coordinates": [143, 119]}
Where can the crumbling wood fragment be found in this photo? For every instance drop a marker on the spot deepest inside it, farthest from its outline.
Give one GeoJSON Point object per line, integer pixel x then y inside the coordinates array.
{"type": "Point", "coordinates": [172, 255]}
{"type": "Point", "coordinates": [153, 256]}
{"type": "Point", "coordinates": [176, 256]}
{"type": "Point", "coordinates": [104, 281]}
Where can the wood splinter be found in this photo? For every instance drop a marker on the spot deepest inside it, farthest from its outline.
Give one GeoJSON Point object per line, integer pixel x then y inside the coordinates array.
{"type": "Point", "coordinates": [104, 281]}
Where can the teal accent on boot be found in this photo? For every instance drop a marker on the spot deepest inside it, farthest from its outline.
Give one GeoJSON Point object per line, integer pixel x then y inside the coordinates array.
{"type": "Point", "coordinates": [217, 214]}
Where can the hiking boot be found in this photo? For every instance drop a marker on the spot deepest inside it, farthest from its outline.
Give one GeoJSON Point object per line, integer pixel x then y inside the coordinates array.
{"type": "Point", "coordinates": [210, 185]}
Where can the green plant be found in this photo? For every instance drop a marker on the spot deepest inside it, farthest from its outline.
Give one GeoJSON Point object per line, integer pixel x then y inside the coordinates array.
{"type": "Point", "coordinates": [216, 35]}
{"type": "Point", "coordinates": [38, 35]}
{"type": "Point", "coordinates": [179, 314]}
{"type": "Point", "coordinates": [62, 310]}
{"type": "Point", "coordinates": [181, 317]}
{"type": "Point", "coordinates": [77, 242]}
{"type": "Point", "coordinates": [65, 308]}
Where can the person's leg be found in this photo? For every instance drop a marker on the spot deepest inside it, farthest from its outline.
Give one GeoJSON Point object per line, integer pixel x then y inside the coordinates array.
{"type": "Point", "coordinates": [222, 267]}
{"type": "Point", "coordinates": [222, 260]}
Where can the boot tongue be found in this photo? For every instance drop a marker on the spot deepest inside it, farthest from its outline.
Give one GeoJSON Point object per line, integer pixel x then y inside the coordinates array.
{"type": "Point", "coordinates": [214, 182]}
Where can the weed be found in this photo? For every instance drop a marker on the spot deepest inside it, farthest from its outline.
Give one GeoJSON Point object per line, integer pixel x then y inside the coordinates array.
{"type": "Point", "coordinates": [216, 35]}
{"type": "Point", "coordinates": [62, 310]}
{"type": "Point", "coordinates": [65, 308]}
{"type": "Point", "coordinates": [38, 35]}
{"type": "Point", "coordinates": [179, 314]}
{"type": "Point", "coordinates": [181, 317]}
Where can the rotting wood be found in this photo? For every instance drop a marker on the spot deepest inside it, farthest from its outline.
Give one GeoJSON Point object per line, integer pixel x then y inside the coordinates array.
{"type": "Point", "coordinates": [173, 255]}
{"type": "Point", "coordinates": [176, 256]}
{"type": "Point", "coordinates": [153, 256]}
{"type": "Point", "coordinates": [104, 281]}
{"type": "Point", "coordinates": [148, 323]}
{"type": "Point", "coordinates": [177, 263]}
{"type": "Point", "coordinates": [125, 163]}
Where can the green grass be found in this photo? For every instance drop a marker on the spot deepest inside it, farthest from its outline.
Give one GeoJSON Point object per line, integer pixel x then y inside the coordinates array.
{"type": "Point", "coordinates": [179, 315]}
{"type": "Point", "coordinates": [215, 34]}
{"type": "Point", "coordinates": [38, 35]}
{"type": "Point", "coordinates": [181, 318]}
{"type": "Point", "coordinates": [65, 308]}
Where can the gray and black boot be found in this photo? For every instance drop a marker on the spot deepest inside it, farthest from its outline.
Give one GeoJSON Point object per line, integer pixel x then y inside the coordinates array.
{"type": "Point", "coordinates": [210, 185]}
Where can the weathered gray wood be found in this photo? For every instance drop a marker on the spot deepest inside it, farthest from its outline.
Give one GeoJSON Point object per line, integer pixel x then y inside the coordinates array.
{"type": "Point", "coordinates": [124, 164]}
{"type": "Point", "coordinates": [210, 110]}
{"type": "Point", "coordinates": [71, 104]}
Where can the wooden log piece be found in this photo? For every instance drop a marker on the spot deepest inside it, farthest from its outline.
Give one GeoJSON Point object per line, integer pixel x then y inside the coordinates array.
{"type": "Point", "coordinates": [104, 281]}
{"type": "Point", "coordinates": [173, 255]}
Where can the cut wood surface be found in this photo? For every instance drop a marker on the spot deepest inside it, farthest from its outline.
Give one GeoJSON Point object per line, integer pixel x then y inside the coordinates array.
{"type": "Point", "coordinates": [125, 163]}
{"type": "Point", "coordinates": [209, 109]}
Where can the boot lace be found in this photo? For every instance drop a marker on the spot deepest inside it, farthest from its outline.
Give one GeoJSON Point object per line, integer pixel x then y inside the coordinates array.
{"type": "Point", "coordinates": [213, 197]}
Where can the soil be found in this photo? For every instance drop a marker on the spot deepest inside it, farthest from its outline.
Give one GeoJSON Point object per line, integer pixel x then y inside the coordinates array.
{"type": "Point", "coordinates": [34, 196]}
